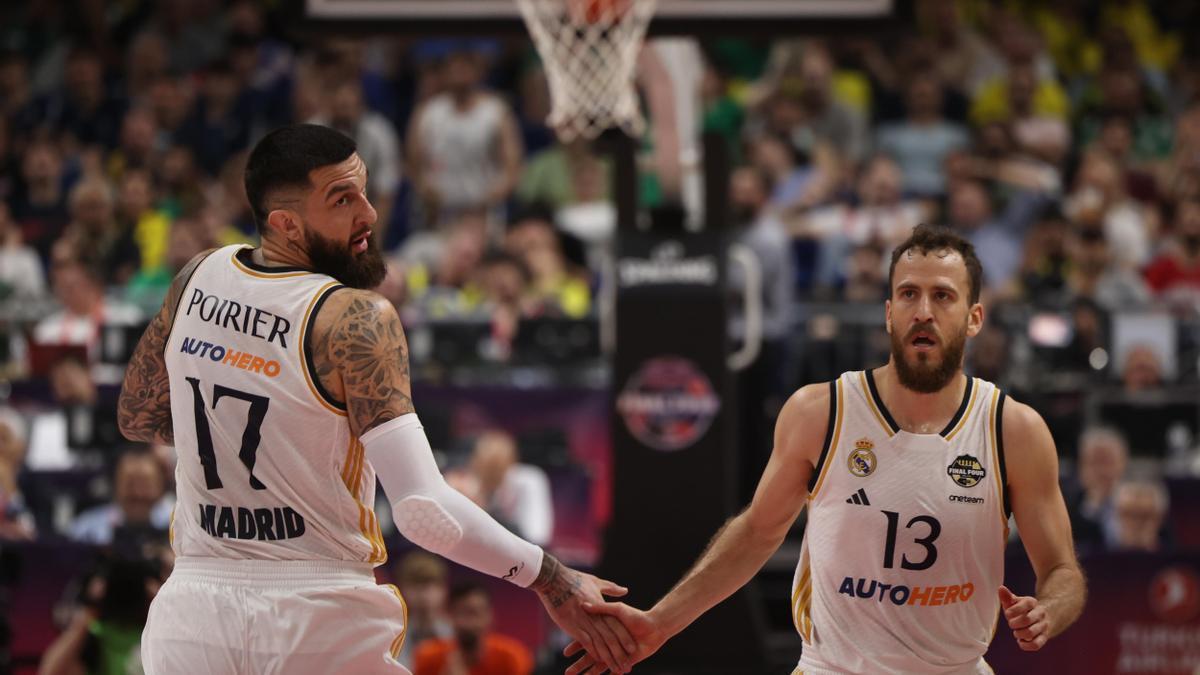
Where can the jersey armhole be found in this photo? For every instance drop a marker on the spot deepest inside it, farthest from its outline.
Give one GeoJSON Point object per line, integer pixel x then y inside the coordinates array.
{"type": "Point", "coordinates": [827, 446]}
{"type": "Point", "coordinates": [1000, 455]}
{"type": "Point", "coordinates": [310, 368]}
{"type": "Point", "coordinates": [182, 293]}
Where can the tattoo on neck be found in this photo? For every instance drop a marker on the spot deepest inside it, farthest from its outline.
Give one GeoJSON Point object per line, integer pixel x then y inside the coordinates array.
{"type": "Point", "coordinates": [556, 582]}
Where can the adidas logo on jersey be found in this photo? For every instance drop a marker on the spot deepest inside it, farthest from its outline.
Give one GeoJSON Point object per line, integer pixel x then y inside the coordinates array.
{"type": "Point", "coordinates": [859, 497]}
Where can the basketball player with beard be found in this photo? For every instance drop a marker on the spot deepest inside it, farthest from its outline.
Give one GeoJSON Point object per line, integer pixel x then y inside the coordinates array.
{"type": "Point", "coordinates": [282, 380]}
{"type": "Point", "coordinates": [910, 472]}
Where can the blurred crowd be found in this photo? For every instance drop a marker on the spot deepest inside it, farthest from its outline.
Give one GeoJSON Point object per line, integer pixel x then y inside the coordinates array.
{"type": "Point", "coordinates": [1062, 138]}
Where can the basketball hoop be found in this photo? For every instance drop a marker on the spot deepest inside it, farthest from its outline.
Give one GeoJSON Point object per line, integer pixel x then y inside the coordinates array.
{"type": "Point", "coordinates": [590, 48]}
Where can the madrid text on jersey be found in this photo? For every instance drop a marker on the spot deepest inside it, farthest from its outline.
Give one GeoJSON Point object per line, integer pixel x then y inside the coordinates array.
{"type": "Point", "coordinates": [233, 315]}
{"type": "Point", "coordinates": [263, 524]}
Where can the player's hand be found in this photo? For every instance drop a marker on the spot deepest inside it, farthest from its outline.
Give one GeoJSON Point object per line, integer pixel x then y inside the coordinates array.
{"type": "Point", "coordinates": [564, 596]}
{"type": "Point", "coordinates": [650, 637]}
{"type": "Point", "coordinates": [1027, 618]}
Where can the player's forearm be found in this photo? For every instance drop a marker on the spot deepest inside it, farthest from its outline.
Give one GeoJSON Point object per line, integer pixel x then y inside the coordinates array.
{"type": "Point", "coordinates": [733, 557]}
{"type": "Point", "coordinates": [144, 407]}
{"type": "Point", "coordinates": [1063, 593]}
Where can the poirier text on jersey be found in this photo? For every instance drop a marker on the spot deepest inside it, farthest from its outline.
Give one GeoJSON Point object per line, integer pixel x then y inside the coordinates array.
{"type": "Point", "coordinates": [231, 314]}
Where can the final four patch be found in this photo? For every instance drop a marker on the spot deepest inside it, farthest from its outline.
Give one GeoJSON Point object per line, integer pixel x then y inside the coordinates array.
{"type": "Point", "coordinates": [966, 471]}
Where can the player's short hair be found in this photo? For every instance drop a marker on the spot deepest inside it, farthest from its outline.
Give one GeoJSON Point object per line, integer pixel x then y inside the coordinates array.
{"type": "Point", "coordinates": [285, 157]}
{"type": "Point", "coordinates": [926, 238]}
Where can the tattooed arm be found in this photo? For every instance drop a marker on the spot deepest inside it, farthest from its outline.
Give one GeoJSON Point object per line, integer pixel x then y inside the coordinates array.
{"type": "Point", "coordinates": [144, 408]}
{"type": "Point", "coordinates": [361, 357]}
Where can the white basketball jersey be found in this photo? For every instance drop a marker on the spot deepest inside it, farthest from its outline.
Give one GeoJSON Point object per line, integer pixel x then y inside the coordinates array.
{"type": "Point", "coordinates": [904, 549]}
{"type": "Point", "coordinates": [267, 468]}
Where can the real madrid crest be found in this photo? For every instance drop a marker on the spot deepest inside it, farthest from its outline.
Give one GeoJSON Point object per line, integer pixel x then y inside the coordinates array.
{"type": "Point", "coordinates": [966, 471]}
{"type": "Point", "coordinates": [862, 460]}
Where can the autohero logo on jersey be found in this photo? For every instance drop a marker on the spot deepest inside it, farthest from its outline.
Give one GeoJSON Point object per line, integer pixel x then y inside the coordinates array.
{"type": "Point", "coordinates": [901, 595]}
{"type": "Point", "coordinates": [668, 403]}
{"type": "Point", "coordinates": [246, 361]}
{"type": "Point", "coordinates": [966, 471]}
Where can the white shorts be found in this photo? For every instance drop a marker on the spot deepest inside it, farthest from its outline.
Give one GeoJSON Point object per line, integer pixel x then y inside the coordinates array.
{"type": "Point", "coordinates": [257, 617]}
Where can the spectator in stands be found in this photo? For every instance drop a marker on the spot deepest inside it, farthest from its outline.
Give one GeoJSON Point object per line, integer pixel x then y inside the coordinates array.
{"type": "Point", "coordinates": [1102, 460]}
{"type": "Point", "coordinates": [464, 148]}
{"type": "Point", "coordinates": [1121, 91]}
{"type": "Point", "coordinates": [866, 278]}
{"type": "Point", "coordinates": [1175, 273]}
{"type": "Point", "coordinates": [880, 214]}
{"type": "Point", "coordinates": [85, 309]}
{"type": "Point", "coordinates": [1142, 370]}
{"type": "Point", "coordinates": [188, 238]}
{"type": "Point", "coordinates": [140, 220]}
{"type": "Point", "coordinates": [147, 62]}
{"type": "Point", "coordinates": [15, 520]}
{"type": "Point", "coordinates": [795, 184]}
{"type": "Point", "coordinates": [378, 146]}
{"type": "Point", "coordinates": [221, 118]}
{"type": "Point", "coordinates": [171, 100]}
{"type": "Point", "coordinates": [104, 632]}
{"type": "Point", "coordinates": [21, 274]}
{"type": "Point", "coordinates": [970, 212]}
{"type": "Point", "coordinates": [1141, 511]}
{"type": "Point", "coordinates": [84, 110]}
{"type": "Point", "coordinates": [921, 142]}
{"type": "Point", "coordinates": [1093, 276]}
{"type": "Point", "coordinates": [1100, 197]}
{"type": "Point", "coordinates": [139, 500]}
{"type": "Point", "coordinates": [138, 146]}
{"type": "Point", "coordinates": [39, 204]}
{"type": "Point", "coordinates": [828, 119]}
{"type": "Point", "coordinates": [565, 175]}
{"type": "Point", "coordinates": [475, 649]}
{"type": "Point", "coordinates": [504, 283]}
{"type": "Point", "coordinates": [441, 267]}
{"type": "Point", "coordinates": [558, 288]}
{"type": "Point", "coordinates": [422, 579]}
{"type": "Point", "coordinates": [515, 494]}
{"type": "Point", "coordinates": [94, 229]}
{"type": "Point", "coordinates": [1174, 172]}
{"type": "Point", "coordinates": [1043, 269]}
{"type": "Point", "coordinates": [963, 57]}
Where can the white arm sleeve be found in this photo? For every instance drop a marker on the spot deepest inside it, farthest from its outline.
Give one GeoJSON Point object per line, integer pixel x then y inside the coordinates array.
{"type": "Point", "coordinates": [435, 516]}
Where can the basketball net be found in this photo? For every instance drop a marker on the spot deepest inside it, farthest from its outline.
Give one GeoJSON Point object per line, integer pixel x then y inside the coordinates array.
{"type": "Point", "coordinates": [590, 49]}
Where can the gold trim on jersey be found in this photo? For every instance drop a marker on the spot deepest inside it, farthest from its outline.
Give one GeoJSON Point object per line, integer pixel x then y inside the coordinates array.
{"type": "Point", "coordinates": [263, 275]}
{"type": "Point", "coordinates": [802, 605]}
{"type": "Point", "coordinates": [866, 390]}
{"type": "Point", "coordinates": [300, 348]}
{"type": "Point", "coordinates": [368, 524]}
{"type": "Point", "coordinates": [171, 528]}
{"type": "Point", "coordinates": [839, 404]}
{"type": "Point", "coordinates": [398, 643]}
{"type": "Point", "coordinates": [962, 422]}
{"type": "Point", "coordinates": [996, 458]}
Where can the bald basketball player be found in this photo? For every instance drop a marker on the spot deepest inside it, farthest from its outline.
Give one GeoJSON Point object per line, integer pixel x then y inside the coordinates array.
{"type": "Point", "coordinates": [283, 383]}
{"type": "Point", "coordinates": [909, 472]}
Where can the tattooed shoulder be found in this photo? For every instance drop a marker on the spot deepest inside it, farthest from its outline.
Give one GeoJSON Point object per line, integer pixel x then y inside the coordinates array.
{"type": "Point", "coordinates": [361, 356]}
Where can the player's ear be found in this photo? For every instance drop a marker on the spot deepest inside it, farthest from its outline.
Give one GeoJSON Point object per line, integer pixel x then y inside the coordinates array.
{"type": "Point", "coordinates": [286, 223]}
{"type": "Point", "coordinates": [975, 319]}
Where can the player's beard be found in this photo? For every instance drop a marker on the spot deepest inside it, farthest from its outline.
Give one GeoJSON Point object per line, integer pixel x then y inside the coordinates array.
{"type": "Point", "coordinates": [363, 270]}
{"type": "Point", "coordinates": [925, 377]}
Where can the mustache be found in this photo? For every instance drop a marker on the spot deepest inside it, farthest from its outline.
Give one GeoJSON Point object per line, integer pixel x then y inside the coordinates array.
{"type": "Point", "coordinates": [926, 327]}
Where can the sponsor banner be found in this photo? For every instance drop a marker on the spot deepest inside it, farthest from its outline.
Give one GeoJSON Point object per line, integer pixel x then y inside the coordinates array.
{"type": "Point", "coordinates": [1142, 616]}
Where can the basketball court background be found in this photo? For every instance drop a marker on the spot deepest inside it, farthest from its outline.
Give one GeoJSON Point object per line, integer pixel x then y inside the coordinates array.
{"type": "Point", "coordinates": [662, 484]}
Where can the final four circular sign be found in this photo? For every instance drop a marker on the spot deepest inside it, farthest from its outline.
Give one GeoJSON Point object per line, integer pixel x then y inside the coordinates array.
{"type": "Point", "coordinates": [668, 403]}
